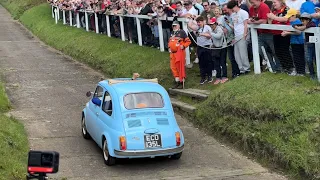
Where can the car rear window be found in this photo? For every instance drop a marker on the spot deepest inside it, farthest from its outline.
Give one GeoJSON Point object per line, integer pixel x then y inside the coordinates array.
{"type": "Point", "coordinates": [143, 100]}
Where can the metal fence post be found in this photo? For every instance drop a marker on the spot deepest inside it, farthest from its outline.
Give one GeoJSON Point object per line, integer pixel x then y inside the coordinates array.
{"type": "Point", "coordinates": [123, 36]}
{"type": "Point", "coordinates": [64, 16]}
{"type": "Point", "coordinates": [96, 22]}
{"type": "Point", "coordinates": [317, 49]}
{"type": "Point", "coordinates": [160, 35]}
{"type": "Point", "coordinates": [86, 18]}
{"type": "Point", "coordinates": [56, 15]}
{"type": "Point", "coordinates": [139, 31]}
{"type": "Point", "coordinates": [70, 18]}
{"type": "Point", "coordinates": [185, 28]}
{"type": "Point", "coordinates": [78, 19]}
{"type": "Point", "coordinates": [108, 25]}
{"type": "Point", "coordinates": [255, 48]}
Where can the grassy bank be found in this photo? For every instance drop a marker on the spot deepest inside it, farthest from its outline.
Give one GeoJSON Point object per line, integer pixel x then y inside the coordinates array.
{"type": "Point", "coordinates": [274, 117]}
{"type": "Point", "coordinates": [13, 143]}
{"type": "Point", "coordinates": [17, 7]}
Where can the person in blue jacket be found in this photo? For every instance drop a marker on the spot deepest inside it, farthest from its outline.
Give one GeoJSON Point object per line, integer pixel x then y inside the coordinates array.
{"type": "Point", "coordinates": [316, 16]}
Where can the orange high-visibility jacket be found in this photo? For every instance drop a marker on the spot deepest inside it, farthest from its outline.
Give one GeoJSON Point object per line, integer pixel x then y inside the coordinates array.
{"type": "Point", "coordinates": [177, 39]}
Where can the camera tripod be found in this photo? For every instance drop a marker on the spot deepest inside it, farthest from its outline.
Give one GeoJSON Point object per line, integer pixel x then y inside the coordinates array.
{"type": "Point", "coordinates": [40, 176]}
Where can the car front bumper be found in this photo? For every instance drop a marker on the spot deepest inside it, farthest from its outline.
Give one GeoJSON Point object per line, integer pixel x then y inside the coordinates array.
{"type": "Point", "coordinates": [147, 153]}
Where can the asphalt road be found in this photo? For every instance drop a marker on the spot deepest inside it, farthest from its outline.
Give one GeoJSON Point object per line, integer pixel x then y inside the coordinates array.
{"type": "Point", "coordinates": [47, 90]}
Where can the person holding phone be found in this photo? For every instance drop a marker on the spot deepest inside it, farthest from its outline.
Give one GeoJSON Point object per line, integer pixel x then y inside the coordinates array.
{"type": "Point", "coordinates": [204, 42]}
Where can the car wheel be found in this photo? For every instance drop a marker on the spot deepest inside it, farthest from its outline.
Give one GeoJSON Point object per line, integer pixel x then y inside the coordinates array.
{"type": "Point", "coordinates": [176, 156]}
{"type": "Point", "coordinates": [108, 160]}
{"type": "Point", "coordinates": [85, 133]}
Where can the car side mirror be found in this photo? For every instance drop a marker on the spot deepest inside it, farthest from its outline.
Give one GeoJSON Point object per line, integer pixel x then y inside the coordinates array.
{"type": "Point", "coordinates": [89, 93]}
{"type": "Point", "coordinates": [96, 101]}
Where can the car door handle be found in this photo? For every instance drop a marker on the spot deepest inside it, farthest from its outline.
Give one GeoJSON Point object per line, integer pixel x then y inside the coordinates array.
{"type": "Point", "coordinates": [97, 114]}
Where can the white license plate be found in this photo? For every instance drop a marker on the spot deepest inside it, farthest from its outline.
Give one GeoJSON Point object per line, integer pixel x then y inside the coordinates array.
{"type": "Point", "coordinates": [152, 141]}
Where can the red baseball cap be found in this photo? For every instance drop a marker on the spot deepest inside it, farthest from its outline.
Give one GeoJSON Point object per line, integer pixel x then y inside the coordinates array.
{"type": "Point", "coordinates": [212, 20]}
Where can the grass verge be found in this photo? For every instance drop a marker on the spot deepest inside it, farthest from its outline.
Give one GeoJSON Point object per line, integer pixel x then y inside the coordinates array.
{"type": "Point", "coordinates": [13, 142]}
{"type": "Point", "coordinates": [17, 7]}
{"type": "Point", "coordinates": [273, 116]}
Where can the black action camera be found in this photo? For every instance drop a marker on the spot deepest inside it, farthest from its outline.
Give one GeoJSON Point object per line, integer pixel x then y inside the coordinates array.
{"type": "Point", "coordinates": [41, 163]}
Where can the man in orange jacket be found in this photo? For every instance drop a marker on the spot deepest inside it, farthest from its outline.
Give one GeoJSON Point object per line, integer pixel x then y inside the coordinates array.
{"type": "Point", "coordinates": [177, 44]}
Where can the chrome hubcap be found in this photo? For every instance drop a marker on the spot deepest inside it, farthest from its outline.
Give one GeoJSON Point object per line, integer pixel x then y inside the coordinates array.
{"type": "Point", "coordinates": [105, 151]}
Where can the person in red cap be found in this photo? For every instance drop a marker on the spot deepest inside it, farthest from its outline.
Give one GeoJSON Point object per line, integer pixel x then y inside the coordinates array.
{"type": "Point", "coordinates": [177, 44]}
{"type": "Point", "coordinates": [217, 36]}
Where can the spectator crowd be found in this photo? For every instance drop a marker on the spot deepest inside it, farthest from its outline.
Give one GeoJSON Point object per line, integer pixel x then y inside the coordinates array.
{"type": "Point", "coordinates": [217, 29]}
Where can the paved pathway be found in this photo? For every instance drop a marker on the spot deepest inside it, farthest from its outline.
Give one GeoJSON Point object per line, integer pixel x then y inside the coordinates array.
{"type": "Point", "coordinates": [48, 93]}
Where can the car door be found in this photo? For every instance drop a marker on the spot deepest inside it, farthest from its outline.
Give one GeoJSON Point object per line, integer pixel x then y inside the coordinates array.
{"type": "Point", "coordinates": [93, 112]}
{"type": "Point", "coordinates": [105, 120]}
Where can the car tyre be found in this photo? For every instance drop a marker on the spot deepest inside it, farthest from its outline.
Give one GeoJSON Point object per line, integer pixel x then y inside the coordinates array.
{"type": "Point", "coordinates": [176, 156]}
{"type": "Point", "coordinates": [108, 160]}
{"type": "Point", "coordinates": [85, 133]}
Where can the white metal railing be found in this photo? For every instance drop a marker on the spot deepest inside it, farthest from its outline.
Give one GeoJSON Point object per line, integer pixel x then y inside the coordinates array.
{"type": "Point", "coordinates": [253, 28]}
{"type": "Point", "coordinates": [137, 17]}
{"type": "Point", "coordinates": [255, 48]}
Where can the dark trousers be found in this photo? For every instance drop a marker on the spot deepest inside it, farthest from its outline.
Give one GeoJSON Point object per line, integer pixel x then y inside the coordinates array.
{"type": "Point", "coordinates": [298, 58]}
{"type": "Point", "coordinates": [234, 65]}
{"type": "Point", "coordinates": [311, 53]}
{"type": "Point", "coordinates": [281, 47]}
{"type": "Point", "coordinates": [205, 62]}
{"type": "Point", "coordinates": [146, 33]}
{"type": "Point", "coordinates": [101, 22]}
{"type": "Point", "coordinates": [220, 60]}
{"type": "Point", "coordinates": [92, 25]}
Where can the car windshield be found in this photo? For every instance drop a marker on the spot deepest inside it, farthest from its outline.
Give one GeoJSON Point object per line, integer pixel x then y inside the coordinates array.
{"type": "Point", "coordinates": [143, 100]}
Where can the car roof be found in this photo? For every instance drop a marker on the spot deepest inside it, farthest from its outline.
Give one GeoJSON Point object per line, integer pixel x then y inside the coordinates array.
{"type": "Point", "coordinates": [123, 88]}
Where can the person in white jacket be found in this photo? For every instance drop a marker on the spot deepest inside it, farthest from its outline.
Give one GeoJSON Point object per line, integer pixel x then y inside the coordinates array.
{"type": "Point", "coordinates": [218, 39]}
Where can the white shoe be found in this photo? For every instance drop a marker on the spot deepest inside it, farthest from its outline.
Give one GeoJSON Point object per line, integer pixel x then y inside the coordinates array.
{"type": "Point", "coordinates": [214, 73]}
{"type": "Point", "coordinates": [196, 60]}
{"type": "Point", "coordinates": [130, 42]}
{"type": "Point", "coordinates": [307, 70]}
{"type": "Point", "coordinates": [293, 73]}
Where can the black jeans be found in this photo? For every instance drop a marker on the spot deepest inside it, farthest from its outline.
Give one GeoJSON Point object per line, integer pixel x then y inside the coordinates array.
{"type": "Point", "coordinates": [101, 22]}
{"type": "Point", "coordinates": [220, 60]}
{"type": "Point", "coordinates": [298, 58]}
{"type": "Point", "coordinates": [205, 62]}
{"type": "Point", "coordinates": [146, 33]}
{"type": "Point", "coordinates": [281, 47]}
{"type": "Point", "coordinates": [234, 65]}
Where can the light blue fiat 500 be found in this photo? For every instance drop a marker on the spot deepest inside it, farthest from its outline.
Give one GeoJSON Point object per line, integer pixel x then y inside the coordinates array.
{"type": "Point", "coordinates": [132, 119]}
